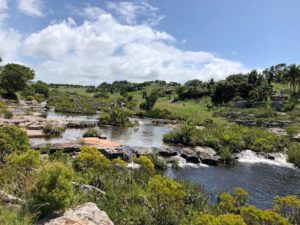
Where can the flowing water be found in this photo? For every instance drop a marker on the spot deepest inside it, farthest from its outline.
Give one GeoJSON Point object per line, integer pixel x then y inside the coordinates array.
{"type": "Point", "coordinates": [262, 178]}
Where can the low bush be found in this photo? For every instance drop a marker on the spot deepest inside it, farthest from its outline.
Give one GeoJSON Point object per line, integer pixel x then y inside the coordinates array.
{"type": "Point", "coordinates": [294, 154]}
{"type": "Point", "coordinates": [52, 189]}
{"type": "Point", "coordinates": [12, 139]}
{"type": "Point", "coordinates": [117, 117]}
{"type": "Point", "coordinates": [92, 132]}
{"type": "Point", "coordinates": [53, 130]}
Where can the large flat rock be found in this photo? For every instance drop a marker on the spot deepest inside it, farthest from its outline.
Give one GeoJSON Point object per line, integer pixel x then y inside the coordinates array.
{"type": "Point", "coordinates": [86, 214]}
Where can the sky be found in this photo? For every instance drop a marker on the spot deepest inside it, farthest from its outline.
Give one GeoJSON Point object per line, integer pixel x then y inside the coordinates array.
{"type": "Point", "coordinates": [88, 42]}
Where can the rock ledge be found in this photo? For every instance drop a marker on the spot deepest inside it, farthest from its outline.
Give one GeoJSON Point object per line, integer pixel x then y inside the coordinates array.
{"type": "Point", "coordinates": [86, 214]}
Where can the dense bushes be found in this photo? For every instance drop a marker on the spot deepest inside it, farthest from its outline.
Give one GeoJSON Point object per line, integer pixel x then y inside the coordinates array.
{"type": "Point", "coordinates": [231, 136]}
{"type": "Point", "coordinates": [117, 117]}
{"type": "Point", "coordinates": [139, 196]}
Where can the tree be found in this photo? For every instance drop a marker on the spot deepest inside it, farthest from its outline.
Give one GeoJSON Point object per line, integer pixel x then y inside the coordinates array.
{"type": "Point", "coordinates": [292, 76]}
{"type": "Point", "coordinates": [41, 87]}
{"type": "Point", "coordinates": [150, 101]}
{"type": "Point", "coordinates": [14, 77]}
{"type": "Point", "coordinates": [52, 189]}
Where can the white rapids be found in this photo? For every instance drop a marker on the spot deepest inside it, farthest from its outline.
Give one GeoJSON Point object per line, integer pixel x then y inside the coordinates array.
{"type": "Point", "coordinates": [251, 157]}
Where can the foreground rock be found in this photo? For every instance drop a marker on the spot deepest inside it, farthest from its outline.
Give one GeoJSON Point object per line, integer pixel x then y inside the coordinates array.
{"type": "Point", "coordinates": [86, 214]}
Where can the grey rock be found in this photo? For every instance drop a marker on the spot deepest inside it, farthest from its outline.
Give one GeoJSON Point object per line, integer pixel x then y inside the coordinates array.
{"type": "Point", "coordinates": [86, 214]}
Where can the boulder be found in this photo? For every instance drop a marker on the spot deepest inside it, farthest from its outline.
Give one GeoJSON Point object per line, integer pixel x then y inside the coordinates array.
{"type": "Point", "coordinates": [86, 214]}
{"type": "Point", "coordinates": [207, 155]}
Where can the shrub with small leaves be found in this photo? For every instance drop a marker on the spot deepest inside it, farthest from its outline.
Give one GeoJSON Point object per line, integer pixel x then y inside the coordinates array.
{"type": "Point", "coordinates": [52, 189]}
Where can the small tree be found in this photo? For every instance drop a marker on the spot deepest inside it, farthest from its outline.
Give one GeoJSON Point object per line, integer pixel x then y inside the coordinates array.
{"type": "Point", "coordinates": [150, 101]}
{"type": "Point", "coordinates": [52, 189]}
{"type": "Point", "coordinates": [14, 77]}
{"type": "Point", "coordinates": [41, 87]}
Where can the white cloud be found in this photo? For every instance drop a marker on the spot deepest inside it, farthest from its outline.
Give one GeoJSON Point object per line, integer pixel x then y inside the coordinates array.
{"type": "Point", "coordinates": [11, 40]}
{"type": "Point", "coordinates": [3, 5]}
{"type": "Point", "coordinates": [131, 12]}
{"type": "Point", "coordinates": [31, 7]}
{"type": "Point", "coordinates": [102, 49]}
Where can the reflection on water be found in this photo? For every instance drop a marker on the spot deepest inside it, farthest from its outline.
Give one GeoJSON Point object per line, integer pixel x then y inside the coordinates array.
{"type": "Point", "coordinates": [262, 181]}
{"type": "Point", "coordinates": [51, 115]}
{"type": "Point", "coordinates": [145, 135]}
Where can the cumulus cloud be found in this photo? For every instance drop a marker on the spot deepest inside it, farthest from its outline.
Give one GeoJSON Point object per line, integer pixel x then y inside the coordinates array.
{"type": "Point", "coordinates": [103, 48]}
{"type": "Point", "coordinates": [31, 7]}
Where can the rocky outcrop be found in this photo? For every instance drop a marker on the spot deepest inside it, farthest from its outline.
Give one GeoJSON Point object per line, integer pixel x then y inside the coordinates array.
{"type": "Point", "coordinates": [207, 155]}
{"type": "Point", "coordinates": [86, 214]}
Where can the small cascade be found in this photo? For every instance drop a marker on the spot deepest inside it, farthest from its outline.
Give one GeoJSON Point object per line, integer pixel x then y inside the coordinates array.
{"type": "Point", "coordinates": [249, 156]}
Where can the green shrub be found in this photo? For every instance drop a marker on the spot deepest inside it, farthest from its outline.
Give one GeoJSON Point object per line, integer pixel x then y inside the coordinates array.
{"type": "Point", "coordinates": [117, 117]}
{"type": "Point", "coordinates": [288, 207]}
{"type": "Point", "coordinates": [254, 216]}
{"type": "Point", "coordinates": [146, 164]}
{"type": "Point", "coordinates": [91, 158]}
{"type": "Point", "coordinates": [182, 135]}
{"type": "Point", "coordinates": [8, 114]}
{"type": "Point", "coordinates": [24, 162]}
{"type": "Point", "coordinates": [167, 199]}
{"type": "Point", "coordinates": [53, 130]}
{"type": "Point", "coordinates": [294, 154]}
{"type": "Point", "coordinates": [293, 129]}
{"type": "Point", "coordinates": [12, 139]}
{"type": "Point", "coordinates": [92, 132]}
{"type": "Point", "coordinates": [52, 189]}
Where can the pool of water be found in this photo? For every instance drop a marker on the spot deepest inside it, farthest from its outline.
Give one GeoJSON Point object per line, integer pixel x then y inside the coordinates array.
{"type": "Point", "coordinates": [144, 135]}
{"type": "Point", "coordinates": [262, 181]}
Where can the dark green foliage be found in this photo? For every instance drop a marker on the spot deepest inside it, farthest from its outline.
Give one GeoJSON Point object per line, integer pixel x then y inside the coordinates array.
{"type": "Point", "coordinates": [252, 87]}
{"type": "Point", "coordinates": [41, 87]}
{"type": "Point", "coordinates": [150, 101]}
{"type": "Point", "coordinates": [14, 77]}
{"type": "Point", "coordinates": [194, 89]}
{"type": "Point", "coordinates": [157, 113]}
{"type": "Point", "coordinates": [116, 117]}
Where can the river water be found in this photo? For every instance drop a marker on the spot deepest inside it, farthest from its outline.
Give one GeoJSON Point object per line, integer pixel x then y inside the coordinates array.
{"type": "Point", "coordinates": [263, 179]}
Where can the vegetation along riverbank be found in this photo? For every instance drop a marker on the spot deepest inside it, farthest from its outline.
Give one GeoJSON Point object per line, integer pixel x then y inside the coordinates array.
{"type": "Point", "coordinates": [210, 122]}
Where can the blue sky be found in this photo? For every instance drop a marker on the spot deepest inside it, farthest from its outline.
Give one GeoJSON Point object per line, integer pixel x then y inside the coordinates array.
{"type": "Point", "coordinates": [72, 41]}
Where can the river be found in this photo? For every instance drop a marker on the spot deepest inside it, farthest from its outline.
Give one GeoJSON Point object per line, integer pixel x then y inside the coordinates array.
{"type": "Point", "coordinates": [263, 179]}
